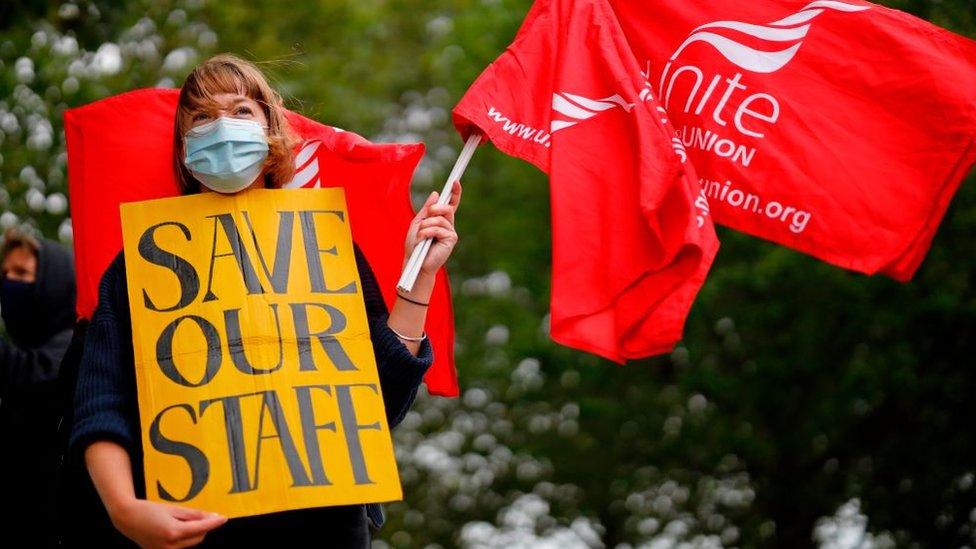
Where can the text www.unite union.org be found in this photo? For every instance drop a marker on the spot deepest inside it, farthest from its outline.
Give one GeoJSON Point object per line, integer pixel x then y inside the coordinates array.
{"type": "Point", "coordinates": [737, 198]}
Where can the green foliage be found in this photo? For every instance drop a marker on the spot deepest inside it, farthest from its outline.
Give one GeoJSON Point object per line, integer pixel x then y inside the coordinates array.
{"type": "Point", "coordinates": [799, 387]}
{"type": "Point", "coordinates": [74, 54]}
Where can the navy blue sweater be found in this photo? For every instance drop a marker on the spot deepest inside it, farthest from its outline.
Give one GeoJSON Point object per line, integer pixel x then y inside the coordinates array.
{"type": "Point", "coordinates": [105, 398]}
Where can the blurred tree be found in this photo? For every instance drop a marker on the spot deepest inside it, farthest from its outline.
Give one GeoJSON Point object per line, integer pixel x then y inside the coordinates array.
{"type": "Point", "coordinates": [71, 54]}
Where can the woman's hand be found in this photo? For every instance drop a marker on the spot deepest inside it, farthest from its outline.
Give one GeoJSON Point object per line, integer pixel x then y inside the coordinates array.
{"type": "Point", "coordinates": [437, 222]}
{"type": "Point", "coordinates": [152, 524]}
{"type": "Point", "coordinates": [432, 221]}
{"type": "Point", "coordinates": [147, 523]}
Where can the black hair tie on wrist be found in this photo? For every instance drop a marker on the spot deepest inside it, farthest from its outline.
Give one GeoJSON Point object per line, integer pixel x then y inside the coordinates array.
{"type": "Point", "coordinates": [405, 298]}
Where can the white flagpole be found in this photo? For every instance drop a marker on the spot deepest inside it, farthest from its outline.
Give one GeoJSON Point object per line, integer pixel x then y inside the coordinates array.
{"type": "Point", "coordinates": [412, 269]}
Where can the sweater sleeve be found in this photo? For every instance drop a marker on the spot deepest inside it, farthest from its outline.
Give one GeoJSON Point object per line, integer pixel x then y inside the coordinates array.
{"type": "Point", "coordinates": [105, 405]}
{"type": "Point", "coordinates": [400, 372]}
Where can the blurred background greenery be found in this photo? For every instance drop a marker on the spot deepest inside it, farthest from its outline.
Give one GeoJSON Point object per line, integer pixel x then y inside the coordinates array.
{"type": "Point", "coordinates": [807, 406]}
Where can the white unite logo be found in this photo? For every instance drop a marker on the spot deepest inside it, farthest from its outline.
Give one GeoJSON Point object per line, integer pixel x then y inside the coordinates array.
{"type": "Point", "coordinates": [789, 31]}
{"type": "Point", "coordinates": [792, 30]}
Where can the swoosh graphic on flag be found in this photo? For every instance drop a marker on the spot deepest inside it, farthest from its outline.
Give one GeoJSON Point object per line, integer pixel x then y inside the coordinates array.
{"type": "Point", "coordinates": [579, 108]}
{"type": "Point", "coordinates": [305, 171]}
{"type": "Point", "coordinates": [792, 28]}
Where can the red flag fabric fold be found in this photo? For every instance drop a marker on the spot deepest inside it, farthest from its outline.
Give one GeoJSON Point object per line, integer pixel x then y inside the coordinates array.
{"type": "Point", "coordinates": [632, 240]}
{"type": "Point", "coordinates": [120, 150]}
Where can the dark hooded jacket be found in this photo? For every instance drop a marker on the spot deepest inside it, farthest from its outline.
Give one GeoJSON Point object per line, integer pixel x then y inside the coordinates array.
{"type": "Point", "coordinates": [30, 403]}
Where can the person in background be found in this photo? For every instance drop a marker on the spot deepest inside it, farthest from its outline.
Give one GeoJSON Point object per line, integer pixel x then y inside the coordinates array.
{"type": "Point", "coordinates": [37, 302]}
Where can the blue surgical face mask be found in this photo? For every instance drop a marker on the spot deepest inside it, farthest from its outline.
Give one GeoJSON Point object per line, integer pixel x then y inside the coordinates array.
{"type": "Point", "coordinates": [226, 154]}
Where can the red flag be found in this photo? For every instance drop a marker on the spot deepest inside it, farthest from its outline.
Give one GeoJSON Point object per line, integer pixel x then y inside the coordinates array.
{"type": "Point", "coordinates": [109, 163]}
{"type": "Point", "coordinates": [839, 129]}
{"type": "Point", "coordinates": [630, 248]}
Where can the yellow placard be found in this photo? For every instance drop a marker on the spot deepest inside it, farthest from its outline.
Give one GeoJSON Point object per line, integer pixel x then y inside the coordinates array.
{"type": "Point", "coordinates": [258, 389]}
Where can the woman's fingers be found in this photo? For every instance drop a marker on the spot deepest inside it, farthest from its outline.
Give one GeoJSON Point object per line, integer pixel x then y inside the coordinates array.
{"type": "Point", "coordinates": [193, 533]}
{"type": "Point", "coordinates": [442, 210]}
{"type": "Point", "coordinates": [432, 208]}
{"type": "Point", "coordinates": [447, 210]}
{"type": "Point", "coordinates": [421, 214]}
{"type": "Point", "coordinates": [433, 215]}
{"type": "Point", "coordinates": [198, 527]}
{"type": "Point", "coordinates": [440, 234]}
{"type": "Point", "coordinates": [415, 222]}
{"type": "Point", "coordinates": [436, 227]}
{"type": "Point", "coordinates": [437, 221]}
{"type": "Point", "coordinates": [185, 513]}
{"type": "Point", "coordinates": [423, 211]}
{"type": "Point", "coordinates": [455, 195]}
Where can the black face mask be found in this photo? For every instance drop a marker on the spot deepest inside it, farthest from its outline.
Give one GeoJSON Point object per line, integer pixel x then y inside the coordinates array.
{"type": "Point", "coordinates": [18, 308]}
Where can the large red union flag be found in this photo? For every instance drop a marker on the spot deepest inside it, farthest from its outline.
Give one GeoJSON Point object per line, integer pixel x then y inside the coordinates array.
{"type": "Point", "coordinates": [109, 163]}
{"type": "Point", "coordinates": [630, 247]}
{"type": "Point", "coordinates": [838, 128]}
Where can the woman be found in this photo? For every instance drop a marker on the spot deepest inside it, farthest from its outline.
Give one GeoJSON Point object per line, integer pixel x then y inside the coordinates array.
{"type": "Point", "coordinates": [231, 135]}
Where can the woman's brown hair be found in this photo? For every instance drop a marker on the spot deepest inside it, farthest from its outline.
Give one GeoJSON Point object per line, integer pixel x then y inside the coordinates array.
{"type": "Point", "coordinates": [227, 73]}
